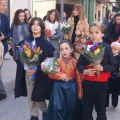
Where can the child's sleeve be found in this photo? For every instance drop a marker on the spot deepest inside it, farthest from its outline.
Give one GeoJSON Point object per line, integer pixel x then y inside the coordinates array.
{"type": "Point", "coordinates": [81, 63]}
{"type": "Point", "coordinates": [112, 65]}
{"type": "Point", "coordinates": [56, 76]}
{"type": "Point", "coordinates": [79, 79]}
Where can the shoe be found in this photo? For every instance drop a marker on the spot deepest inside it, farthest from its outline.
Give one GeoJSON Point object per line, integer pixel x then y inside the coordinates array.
{"type": "Point", "coordinates": [2, 96]}
{"type": "Point", "coordinates": [44, 115]}
{"type": "Point", "coordinates": [34, 118]}
{"type": "Point", "coordinates": [114, 107]}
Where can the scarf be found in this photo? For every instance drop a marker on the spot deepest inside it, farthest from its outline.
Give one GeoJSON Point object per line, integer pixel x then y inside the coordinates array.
{"type": "Point", "coordinates": [76, 19]}
{"type": "Point", "coordinates": [1, 52]}
{"type": "Point", "coordinates": [16, 39]}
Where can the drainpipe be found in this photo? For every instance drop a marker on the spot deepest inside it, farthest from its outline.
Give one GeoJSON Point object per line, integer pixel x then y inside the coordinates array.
{"type": "Point", "coordinates": [30, 6]}
{"type": "Point", "coordinates": [61, 10]}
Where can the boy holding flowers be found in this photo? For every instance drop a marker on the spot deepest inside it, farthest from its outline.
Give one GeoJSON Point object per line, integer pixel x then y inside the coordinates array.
{"type": "Point", "coordinates": [94, 87]}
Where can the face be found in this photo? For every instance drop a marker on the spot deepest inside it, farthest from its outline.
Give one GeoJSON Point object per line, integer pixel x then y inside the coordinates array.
{"type": "Point", "coordinates": [36, 29]}
{"type": "Point", "coordinates": [117, 19]}
{"type": "Point", "coordinates": [52, 16]}
{"type": "Point", "coordinates": [65, 50]}
{"type": "Point", "coordinates": [21, 17]}
{"type": "Point", "coordinates": [27, 13]}
{"type": "Point", "coordinates": [114, 50]}
{"type": "Point", "coordinates": [96, 34]}
{"type": "Point", "coordinates": [75, 12]}
{"type": "Point", "coordinates": [2, 7]}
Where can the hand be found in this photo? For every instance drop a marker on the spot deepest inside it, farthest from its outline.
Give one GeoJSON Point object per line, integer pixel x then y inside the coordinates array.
{"type": "Point", "coordinates": [65, 78]}
{"type": "Point", "coordinates": [2, 37]}
{"type": "Point", "coordinates": [65, 36]}
{"type": "Point", "coordinates": [98, 67]}
{"type": "Point", "coordinates": [77, 32]}
{"type": "Point", "coordinates": [89, 72]}
{"type": "Point", "coordinates": [30, 72]}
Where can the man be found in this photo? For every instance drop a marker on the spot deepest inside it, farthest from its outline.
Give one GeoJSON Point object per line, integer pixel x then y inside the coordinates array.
{"type": "Point", "coordinates": [4, 35]}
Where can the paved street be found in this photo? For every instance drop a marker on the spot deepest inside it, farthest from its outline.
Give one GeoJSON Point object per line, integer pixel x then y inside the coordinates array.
{"type": "Point", "coordinates": [17, 109]}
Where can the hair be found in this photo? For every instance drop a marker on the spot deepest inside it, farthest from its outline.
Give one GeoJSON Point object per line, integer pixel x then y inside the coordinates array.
{"type": "Point", "coordinates": [56, 15]}
{"type": "Point", "coordinates": [117, 15]}
{"type": "Point", "coordinates": [29, 12]}
{"type": "Point", "coordinates": [16, 20]}
{"type": "Point", "coordinates": [81, 11]}
{"type": "Point", "coordinates": [68, 42]}
{"type": "Point", "coordinates": [98, 25]}
{"type": "Point", "coordinates": [41, 24]}
{"type": "Point", "coordinates": [116, 45]}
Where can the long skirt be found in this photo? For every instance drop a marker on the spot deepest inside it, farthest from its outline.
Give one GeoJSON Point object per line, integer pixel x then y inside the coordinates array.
{"type": "Point", "coordinates": [63, 101]}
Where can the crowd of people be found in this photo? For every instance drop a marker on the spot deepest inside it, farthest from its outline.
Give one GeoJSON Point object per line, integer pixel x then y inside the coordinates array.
{"type": "Point", "coordinates": [75, 89]}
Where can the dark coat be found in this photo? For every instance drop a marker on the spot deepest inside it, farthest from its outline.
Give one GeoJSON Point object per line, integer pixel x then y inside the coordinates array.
{"type": "Point", "coordinates": [111, 32]}
{"type": "Point", "coordinates": [43, 85]}
{"type": "Point", "coordinates": [20, 82]}
{"type": "Point", "coordinates": [5, 29]}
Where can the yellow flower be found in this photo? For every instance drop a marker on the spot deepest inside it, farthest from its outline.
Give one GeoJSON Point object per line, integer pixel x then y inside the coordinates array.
{"type": "Point", "coordinates": [35, 56]}
{"type": "Point", "coordinates": [97, 51]}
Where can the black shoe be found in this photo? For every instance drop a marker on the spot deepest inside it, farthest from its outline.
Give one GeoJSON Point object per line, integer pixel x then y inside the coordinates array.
{"type": "Point", "coordinates": [44, 115]}
{"type": "Point", "coordinates": [2, 96]}
{"type": "Point", "coordinates": [34, 118]}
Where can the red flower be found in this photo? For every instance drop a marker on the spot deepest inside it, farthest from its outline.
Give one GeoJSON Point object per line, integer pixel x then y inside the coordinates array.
{"type": "Point", "coordinates": [95, 47]}
{"type": "Point", "coordinates": [89, 43]}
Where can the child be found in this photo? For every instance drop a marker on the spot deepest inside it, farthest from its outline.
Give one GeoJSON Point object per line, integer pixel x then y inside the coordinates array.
{"type": "Point", "coordinates": [114, 80]}
{"type": "Point", "coordinates": [64, 95]}
{"type": "Point", "coordinates": [94, 87]}
{"type": "Point", "coordinates": [41, 89]}
{"type": "Point", "coordinates": [19, 32]}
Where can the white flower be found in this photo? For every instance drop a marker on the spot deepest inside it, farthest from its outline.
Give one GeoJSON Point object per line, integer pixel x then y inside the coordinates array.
{"type": "Point", "coordinates": [88, 47]}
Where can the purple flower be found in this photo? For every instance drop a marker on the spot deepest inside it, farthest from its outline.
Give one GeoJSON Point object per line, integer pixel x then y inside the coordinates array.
{"type": "Point", "coordinates": [92, 48]}
{"type": "Point", "coordinates": [95, 44]}
{"type": "Point", "coordinates": [20, 49]}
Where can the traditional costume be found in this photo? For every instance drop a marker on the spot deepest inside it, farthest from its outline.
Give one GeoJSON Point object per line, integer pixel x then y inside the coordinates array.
{"type": "Point", "coordinates": [64, 94]}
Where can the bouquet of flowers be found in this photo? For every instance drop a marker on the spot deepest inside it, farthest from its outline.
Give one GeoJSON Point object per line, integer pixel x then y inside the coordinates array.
{"type": "Point", "coordinates": [94, 53]}
{"type": "Point", "coordinates": [29, 54]}
{"type": "Point", "coordinates": [50, 65]}
{"type": "Point", "coordinates": [66, 28]}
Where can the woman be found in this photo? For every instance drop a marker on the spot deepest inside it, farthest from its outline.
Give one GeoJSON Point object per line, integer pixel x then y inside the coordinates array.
{"type": "Point", "coordinates": [20, 32]}
{"type": "Point", "coordinates": [114, 29]}
{"type": "Point", "coordinates": [28, 14]}
{"type": "Point", "coordinates": [52, 25]}
{"type": "Point", "coordinates": [79, 30]}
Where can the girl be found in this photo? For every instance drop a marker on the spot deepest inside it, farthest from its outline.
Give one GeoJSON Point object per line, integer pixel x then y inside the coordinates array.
{"type": "Point", "coordinates": [28, 14]}
{"type": "Point", "coordinates": [61, 106]}
{"type": "Point", "coordinates": [114, 80]}
{"type": "Point", "coordinates": [114, 30]}
{"type": "Point", "coordinates": [41, 90]}
{"type": "Point", "coordinates": [19, 32]}
{"type": "Point", "coordinates": [79, 30]}
{"type": "Point", "coordinates": [94, 88]}
{"type": "Point", "coordinates": [52, 23]}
